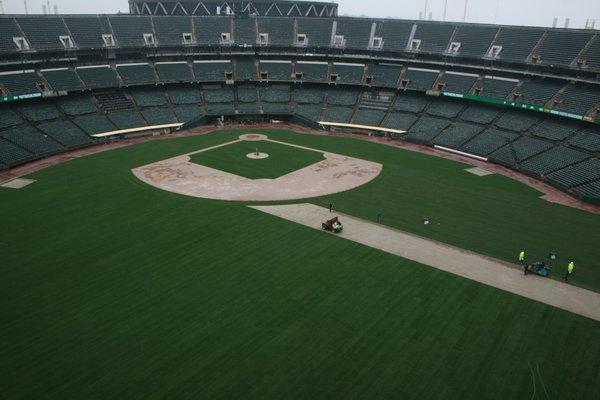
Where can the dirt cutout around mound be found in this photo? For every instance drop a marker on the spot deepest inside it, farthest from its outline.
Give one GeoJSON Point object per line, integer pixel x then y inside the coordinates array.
{"type": "Point", "coordinates": [337, 173]}
{"type": "Point", "coordinates": [447, 258]}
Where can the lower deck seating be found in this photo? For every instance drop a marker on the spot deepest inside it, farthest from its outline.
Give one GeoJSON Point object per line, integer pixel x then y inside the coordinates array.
{"type": "Point", "coordinates": [98, 77]}
{"type": "Point", "coordinates": [587, 139]}
{"type": "Point", "coordinates": [8, 118]}
{"type": "Point", "coordinates": [446, 109]}
{"type": "Point", "coordinates": [189, 112]}
{"type": "Point", "coordinates": [94, 124]}
{"type": "Point", "coordinates": [33, 141]}
{"type": "Point", "coordinates": [218, 95]}
{"type": "Point", "coordinates": [426, 129]}
{"type": "Point", "coordinates": [77, 105]}
{"type": "Point", "coordinates": [519, 150]}
{"type": "Point", "coordinates": [11, 154]}
{"type": "Point", "coordinates": [411, 104]}
{"type": "Point", "coordinates": [516, 121]}
{"type": "Point", "coordinates": [66, 133]}
{"type": "Point", "coordinates": [310, 111]}
{"type": "Point", "coordinates": [308, 96]}
{"type": "Point", "coordinates": [338, 114]}
{"type": "Point", "coordinates": [368, 117]}
{"type": "Point", "coordinates": [127, 119]}
{"type": "Point", "coordinates": [578, 174]}
{"type": "Point", "coordinates": [184, 95]}
{"type": "Point", "coordinates": [342, 97]}
{"type": "Point", "coordinates": [275, 95]}
{"type": "Point", "coordinates": [480, 114]}
{"type": "Point", "coordinates": [248, 95]}
{"type": "Point", "coordinates": [552, 160]}
{"type": "Point", "coordinates": [158, 115]}
{"type": "Point", "coordinates": [553, 129]}
{"type": "Point", "coordinates": [38, 111]}
{"type": "Point", "coordinates": [19, 83]}
{"type": "Point", "coordinates": [400, 121]}
{"type": "Point", "coordinates": [489, 141]}
{"type": "Point", "coordinates": [148, 97]}
{"type": "Point", "coordinates": [136, 74]}
{"type": "Point", "coordinates": [591, 190]}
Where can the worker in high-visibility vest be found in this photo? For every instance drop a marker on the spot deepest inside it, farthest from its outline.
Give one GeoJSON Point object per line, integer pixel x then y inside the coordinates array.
{"type": "Point", "coordinates": [570, 269]}
{"type": "Point", "coordinates": [522, 261]}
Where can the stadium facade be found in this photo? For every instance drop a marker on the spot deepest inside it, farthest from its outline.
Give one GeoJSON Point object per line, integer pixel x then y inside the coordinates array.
{"type": "Point", "coordinates": [526, 98]}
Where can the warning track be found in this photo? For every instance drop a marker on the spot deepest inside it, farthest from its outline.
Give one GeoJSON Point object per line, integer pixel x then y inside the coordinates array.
{"type": "Point", "coordinates": [451, 259]}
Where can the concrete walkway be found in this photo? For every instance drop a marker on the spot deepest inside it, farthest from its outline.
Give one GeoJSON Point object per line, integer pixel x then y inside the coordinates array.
{"type": "Point", "coordinates": [460, 262]}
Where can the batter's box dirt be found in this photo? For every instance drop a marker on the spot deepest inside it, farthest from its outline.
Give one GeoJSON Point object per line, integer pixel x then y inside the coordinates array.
{"type": "Point", "coordinates": [337, 173]}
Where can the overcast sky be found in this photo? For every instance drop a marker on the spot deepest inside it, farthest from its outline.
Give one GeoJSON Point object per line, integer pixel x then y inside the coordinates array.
{"type": "Point", "coordinates": [517, 12]}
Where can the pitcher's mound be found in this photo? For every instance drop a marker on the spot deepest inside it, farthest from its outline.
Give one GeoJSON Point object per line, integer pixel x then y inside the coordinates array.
{"type": "Point", "coordinates": [257, 156]}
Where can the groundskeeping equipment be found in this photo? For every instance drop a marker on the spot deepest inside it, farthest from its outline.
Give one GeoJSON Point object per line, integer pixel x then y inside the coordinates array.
{"type": "Point", "coordinates": [333, 225]}
{"type": "Point", "coordinates": [540, 268]}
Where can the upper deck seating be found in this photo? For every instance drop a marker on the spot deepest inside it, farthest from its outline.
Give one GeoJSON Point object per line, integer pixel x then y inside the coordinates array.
{"type": "Point", "coordinates": [209, 29]}
{"type": "Point", "coordinates": [517, 43]}
{"type": "Point", "coordinates": [129, 30]}
{"type": "Point", "coordinates": [63, 80]}
{"type": "Point", "coordinates": [276, 95]}
{"type": "Point", "coordinates": [342, 97]}
{"type": "Point", "coordinates": [245, 69]}
{"type": "Point", "coordinates": [538, 92]}
{"type": "Point", "coordinates": [356, 32]}
{"type": "Point", "coordinates": [77, 105]}
{"type": "Point", "coordinates": [592, 55]}
{"type": "Point", "coordinates": [475, 41]}
{"type": "Point", "coordinates": [395, 34]}
{"type": "Point", "coordinates": [348, 73]}
{"type": "Point", "coordinates": [218, 95]}
{"type": "Point", "coordinates": [87, 31]}
{"type": "Point", "coordinates": [579, 99]}
{"type": "Point", "coordinates": [312, 71]}
{"type": "Point", "coordinates": [317, 31]}
{"type": "Point", "coordinates": [98, 77]}
{"type": "Point", "coordinates": [20, 83]}
{"type": "Point", "coordinates": [8, 30]}
{"type": "Point", "coordinates": [384, 75]}
{"type": "Point", "coordinates": [279, 29]}
{"type": "Point", "coordinates": [43, 32]}
{"type": "Point", "coordinates": [457, 83]}
{"type": "Point", "coordinates": [174, 72]}
{"type": "Point", "coordinates": [434, 37]}
{"type": "Point", "coordinates": [245, 31]}
{"type": "Point", "coordinates": [497, 88]}
{"type": "Point", "coordinates": [276, 70]}
{"type": "Point", "coordinates": [561, 47]}
{"type": "Point", "coordinates": [136, 74]}
{"type": "Point", "coordinates": [421, 80]}
{"type": "Point", "coordinates": [170, 29]}
{"type": "Point", "coordinates": [212, 71]}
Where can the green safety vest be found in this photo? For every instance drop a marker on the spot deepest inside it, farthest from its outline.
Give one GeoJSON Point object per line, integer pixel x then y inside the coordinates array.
{"type": "Point", "coordinates": [522, 256]}
{"type": "Point", "coordinates": [571, 266]}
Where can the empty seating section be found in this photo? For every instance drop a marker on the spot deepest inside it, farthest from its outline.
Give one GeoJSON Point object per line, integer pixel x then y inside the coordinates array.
{"type": "Point", "coordinates": [455, 83]}
{"type": "Point", "coordinates": [444, 108]}
{"type": "Point", "coordinates": [158, 115]}
{"type": "Point", "coordinates": [32, 140]}
{"type": "Point", "coordinates": [245, 69]}
{"type": "Point", "coordinates": [421, 80]}
{"type": "Point", "coordinates": [173, 72]}
{"type": "Point", "coordinates": [480, 114]}
{"type": "Point", "coordinates": [248, 108]}
{"type": "Point", "coordinates": [63, 80]}
{"type": "Point", "coordinates": [517, 43]}
{"type": "Point", "coordinates": [209, 29]}
{"type": "Point", "coordinates": [591, 190]}
{"type": "Point", "coordinates": [538, 92]}
{"type": "Point", "coordinates": [356, 32]}
{"type": "Point", "coordinates": [456, 135]}
{"type": "Point", "coordinates": [312, 71]}
{"type": "Point", "coordinates": [8, 118]}
{"type": "Point", "coordinates": [587, 139]}
{"type": "Point", "coordinates": [368, 117]}
{"type": "Point", "coordinates": [43, 32]}
{"type": "Point", "coordinates": [552, 160]}
{"type": "Point", "coordinates": [245, 31]}
{"type": "Point", "coordinates": [19, 83]}
{"type": "Point", "coordinates": [38, 111]}
{"type": "Point", "coordinates": [317, 30]}
{"type": "Point", "coordinates": [553, 129]}
{"type": "Point", "coordinates": [94, 124]}
{"type": "Point", "coordinates": [592, 55]}
{"type": "Point", "coordinates": [578, 99]}
{"type": "Point", "coordinates": [66, 133]}
{"type": "Point", "coordinates": [400, 121]}
{"type": "Point", "coordinates": [561, 47]}
{"type": "Point", "coordinates": [184, 95]}
{"type": "Point", "coordinates": [426, 128]}
{"type": "Point", "coordinates": [578, 174]}
{"type": "Point", "coordinates": [8, 30]}
{"type": "Point", "coordinates": [218, 95]}
{"type": "Point", "coordinates": [434, 37]}
{"type": "Point", "coordinates": [280, 31]}
{"type": "Point", "coordinates": [395, 34]}
{"type": "Point", "coordinates": [186, 113]}
{"type": "Point", "coordinates": [127, 119]}
{"type": "Point", "coordinates": [521, 149]}
{"type": "Point", "coordinates": [276, 71]}
{"type": "Point", "coordinates": [277, 108]}
{"type": "Point", "coordinates": [11, 154]}
{"type": "Point", "coordinates": [348, 73]}
{"type": "Point", "coordinates": [308, 96]}
{"type": "Point", "coordinates": [136, 74]}
{"type": "Point", "coordinates": [220, 109]}
{"type": "Point", "coordinates": [98, 77]}
{"type": "Point", "coordinates": [129, 30]}
{"type": "Point", "coordinates": [338, 114]}
{"type": "Point", "coordinates": [342, 97]}
{"type": "Point", "coordinates": [475, 41]}
{"type": "Point", "coordinates": [247, 95]}
{"type": "Point", "coordinates": [77, 105]}
{"type": "Point", "coordinates": [413, 104]}
{"type": "Point", "coordinates": [489, 141]}
{"type": "Point", "coordinates": [516, 121]}
{"type": "Point", "coordinates": [148, 97]}
{"type": "Point", "coordinates": [497, 88]}
{"type": "Point", "coordinates": [212, 71]}
{"type": "Point", "coordinates": [384, 75]}
{"type": "Point", "coordinates": [113, 101]}
{"type": "Point", "coordinates": [87, 31]}
{"type": "Point", "coordinates": [275, 95]}
{"type": "Point", "coordinates": [310, 111]}
{"type": "Point", "coordinates": [169, 30]}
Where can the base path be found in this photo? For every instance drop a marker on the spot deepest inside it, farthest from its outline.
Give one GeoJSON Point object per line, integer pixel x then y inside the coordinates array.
{"type": "Point", "coordinates": [460, 262]}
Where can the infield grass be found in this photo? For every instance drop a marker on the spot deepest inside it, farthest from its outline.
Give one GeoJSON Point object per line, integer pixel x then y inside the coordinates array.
{"type": "Point", "coordinates": [113, 289]}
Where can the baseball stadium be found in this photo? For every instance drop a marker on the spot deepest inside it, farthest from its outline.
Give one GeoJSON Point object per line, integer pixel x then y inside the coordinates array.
{"type": "Point", "coordinates": [264, 199]}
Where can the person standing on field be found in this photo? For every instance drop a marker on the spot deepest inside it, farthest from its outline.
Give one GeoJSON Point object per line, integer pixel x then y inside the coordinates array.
{"type": "Point", "coordinates": [570, 269]}
{"type": "Point", "coordinates": [522, 261]}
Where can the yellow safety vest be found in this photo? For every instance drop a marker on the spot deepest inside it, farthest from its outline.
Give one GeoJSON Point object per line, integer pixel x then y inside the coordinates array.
{"type": "Point", "coordinates": [571, 266]}
{"type": "Point", "coordinates": [522, 256]}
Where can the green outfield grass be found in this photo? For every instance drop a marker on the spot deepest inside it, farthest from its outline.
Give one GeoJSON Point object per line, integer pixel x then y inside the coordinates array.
{"type": "Point", "coordinates": [281, 161]}
{"type": "Point", "coordinates": [113, 289]}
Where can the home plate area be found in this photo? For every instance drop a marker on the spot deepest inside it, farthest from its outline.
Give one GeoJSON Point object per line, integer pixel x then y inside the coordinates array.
{"type": "Point", "coordinates": [202, 173]}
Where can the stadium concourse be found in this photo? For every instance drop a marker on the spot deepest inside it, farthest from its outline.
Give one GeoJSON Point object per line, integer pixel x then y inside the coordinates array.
{"type": "Point", "coordinates": [145, 160]}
